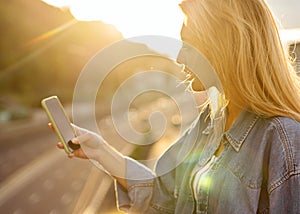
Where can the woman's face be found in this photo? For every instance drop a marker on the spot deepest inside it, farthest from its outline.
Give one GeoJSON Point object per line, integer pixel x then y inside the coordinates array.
{"type": "Point", "coordinates": [188, 55]}
{"type": "Point", "coordinates": [186, 33]}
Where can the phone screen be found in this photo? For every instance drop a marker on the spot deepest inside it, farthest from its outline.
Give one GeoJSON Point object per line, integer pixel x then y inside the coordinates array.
{"type": "Point", "coordinates": [59, 120]}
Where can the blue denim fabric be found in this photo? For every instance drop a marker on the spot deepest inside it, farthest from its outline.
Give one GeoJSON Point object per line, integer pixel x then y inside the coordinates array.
{"type": "Point", "coordinates": [257, 172]}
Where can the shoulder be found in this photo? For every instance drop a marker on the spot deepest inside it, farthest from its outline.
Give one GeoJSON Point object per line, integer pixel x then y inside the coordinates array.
{"type": "Point", "coordinates": [288, 126]}
{"type": "Point", "coordinates": [285, 130]}
{"type": "Point", "coordinates": [283, 141]}
{"type": "Point", "coordinates": [287, 133]}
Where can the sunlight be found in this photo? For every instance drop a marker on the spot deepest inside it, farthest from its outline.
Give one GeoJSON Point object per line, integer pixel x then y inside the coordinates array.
{"type": "Point", "coordinates": [140, 17]}
{"type": "Point", "coordinates": [58, 3]}
{"type": "Point", "coordinates": [130, 17]}
{"type": "Point", "coordinates": [50, 33]}
{"type": "Point", "coordinates": [290, 36]}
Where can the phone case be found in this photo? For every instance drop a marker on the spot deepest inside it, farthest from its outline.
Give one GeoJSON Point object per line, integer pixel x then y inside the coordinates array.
{"type": "Point", "coordinates": [67, 149]}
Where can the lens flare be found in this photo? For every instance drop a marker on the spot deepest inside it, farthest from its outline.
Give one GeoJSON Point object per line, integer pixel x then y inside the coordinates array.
{"type": "Point", "coordinates": [50, 33]}
{"type": "Point", "coordinates": [205, 182]}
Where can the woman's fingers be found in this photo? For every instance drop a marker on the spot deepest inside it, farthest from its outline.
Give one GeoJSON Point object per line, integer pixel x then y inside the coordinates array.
{"type": "Point", "coordinates": [50, 126]}
{"type": "Point", "coordinates": [60, 145]}
{"type": "Point", "coordinates": [83, 136]}
{"type": "Point", "coordinates": [71, 155]}
{"type": "Point", "coordinates": [78, 153]}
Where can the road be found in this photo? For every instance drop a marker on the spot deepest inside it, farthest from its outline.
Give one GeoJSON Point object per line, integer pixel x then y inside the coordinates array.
{"type": "Point", "coordinates": [36, 177]}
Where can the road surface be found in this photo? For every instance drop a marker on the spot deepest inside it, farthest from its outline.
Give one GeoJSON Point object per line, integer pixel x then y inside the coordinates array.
{"type": "Point", "coordinates": [35, 177]}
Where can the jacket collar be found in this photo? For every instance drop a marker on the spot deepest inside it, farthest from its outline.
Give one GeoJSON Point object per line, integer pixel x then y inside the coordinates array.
{"type": "Point", "coordinates": [240, 129]}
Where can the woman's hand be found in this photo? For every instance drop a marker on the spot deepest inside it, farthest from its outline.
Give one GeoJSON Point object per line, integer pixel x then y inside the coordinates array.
{"type": "Point", "coordinates": [93, 146]}
{"type": "Point", "coordinates": [90, 143]}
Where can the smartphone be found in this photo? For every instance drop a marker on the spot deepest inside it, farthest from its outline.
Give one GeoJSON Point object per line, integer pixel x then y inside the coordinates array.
{"type": "Point", "coordinates": [60, 122]}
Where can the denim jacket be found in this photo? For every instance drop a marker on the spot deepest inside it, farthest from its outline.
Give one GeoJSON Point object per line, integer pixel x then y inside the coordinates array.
{"type": "Point", "coordinates": [257, 172]}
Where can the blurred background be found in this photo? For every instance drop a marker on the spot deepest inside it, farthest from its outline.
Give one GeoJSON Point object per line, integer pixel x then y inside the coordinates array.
{"type": "Point", "coordinates": [44, 46]}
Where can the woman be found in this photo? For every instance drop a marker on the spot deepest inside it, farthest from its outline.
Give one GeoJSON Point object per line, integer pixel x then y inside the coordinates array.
{"type": "Point", "coordinates": [254, 166]}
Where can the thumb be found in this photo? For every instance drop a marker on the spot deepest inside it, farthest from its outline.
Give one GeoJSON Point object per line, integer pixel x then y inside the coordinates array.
{"type": "Point", "coordinates": [74, 144]}
{"type": "Point", "coordinates": [78, 130]}
{"type": "Point", "coordinates": [89, 139]}
{"type": "Point", "coordinates": [82, 138]}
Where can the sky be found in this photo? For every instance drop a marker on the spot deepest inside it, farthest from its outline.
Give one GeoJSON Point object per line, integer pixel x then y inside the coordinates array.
{"type": "Point", "coordinates": [154, 16]}
{"type": "Point", "coordinates": [287, 12]}
{"type": "Point", "coordinates": [130, 17]}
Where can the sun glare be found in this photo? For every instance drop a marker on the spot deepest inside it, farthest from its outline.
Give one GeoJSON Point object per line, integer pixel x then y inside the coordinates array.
{"type": "Point", "coordinates": [289, 36]}
{"type": "Point", "coordinates": [58, 3]}
{"type": "Point", "coordinates": [140, 17]}
{"type": "Point", "coordinates": [130, 17]}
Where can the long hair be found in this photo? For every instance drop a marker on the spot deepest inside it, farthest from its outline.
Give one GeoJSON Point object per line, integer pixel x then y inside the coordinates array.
{"type": "Point", "coordinates": [241, 40]}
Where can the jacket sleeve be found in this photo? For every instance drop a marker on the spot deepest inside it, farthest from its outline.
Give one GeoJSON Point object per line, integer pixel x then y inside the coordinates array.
{"type": "Point", "coordinates": [284, 169]}
{"type": "Point", "coordinates": [136, 198]}
{"type": "Point", "coordinates": [146, 193]}
{"type": "Point", "coordinates": [149, 192]}
{"type": "Point", "coordinates": [286, 197]}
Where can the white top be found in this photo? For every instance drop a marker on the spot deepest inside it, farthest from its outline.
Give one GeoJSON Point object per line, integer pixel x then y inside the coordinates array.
{"type": "Point", "coordinates": [201, 180]}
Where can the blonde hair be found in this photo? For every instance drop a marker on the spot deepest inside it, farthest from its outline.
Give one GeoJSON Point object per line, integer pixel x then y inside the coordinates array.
{"type": "Point", "coordinates": [241, 41]}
